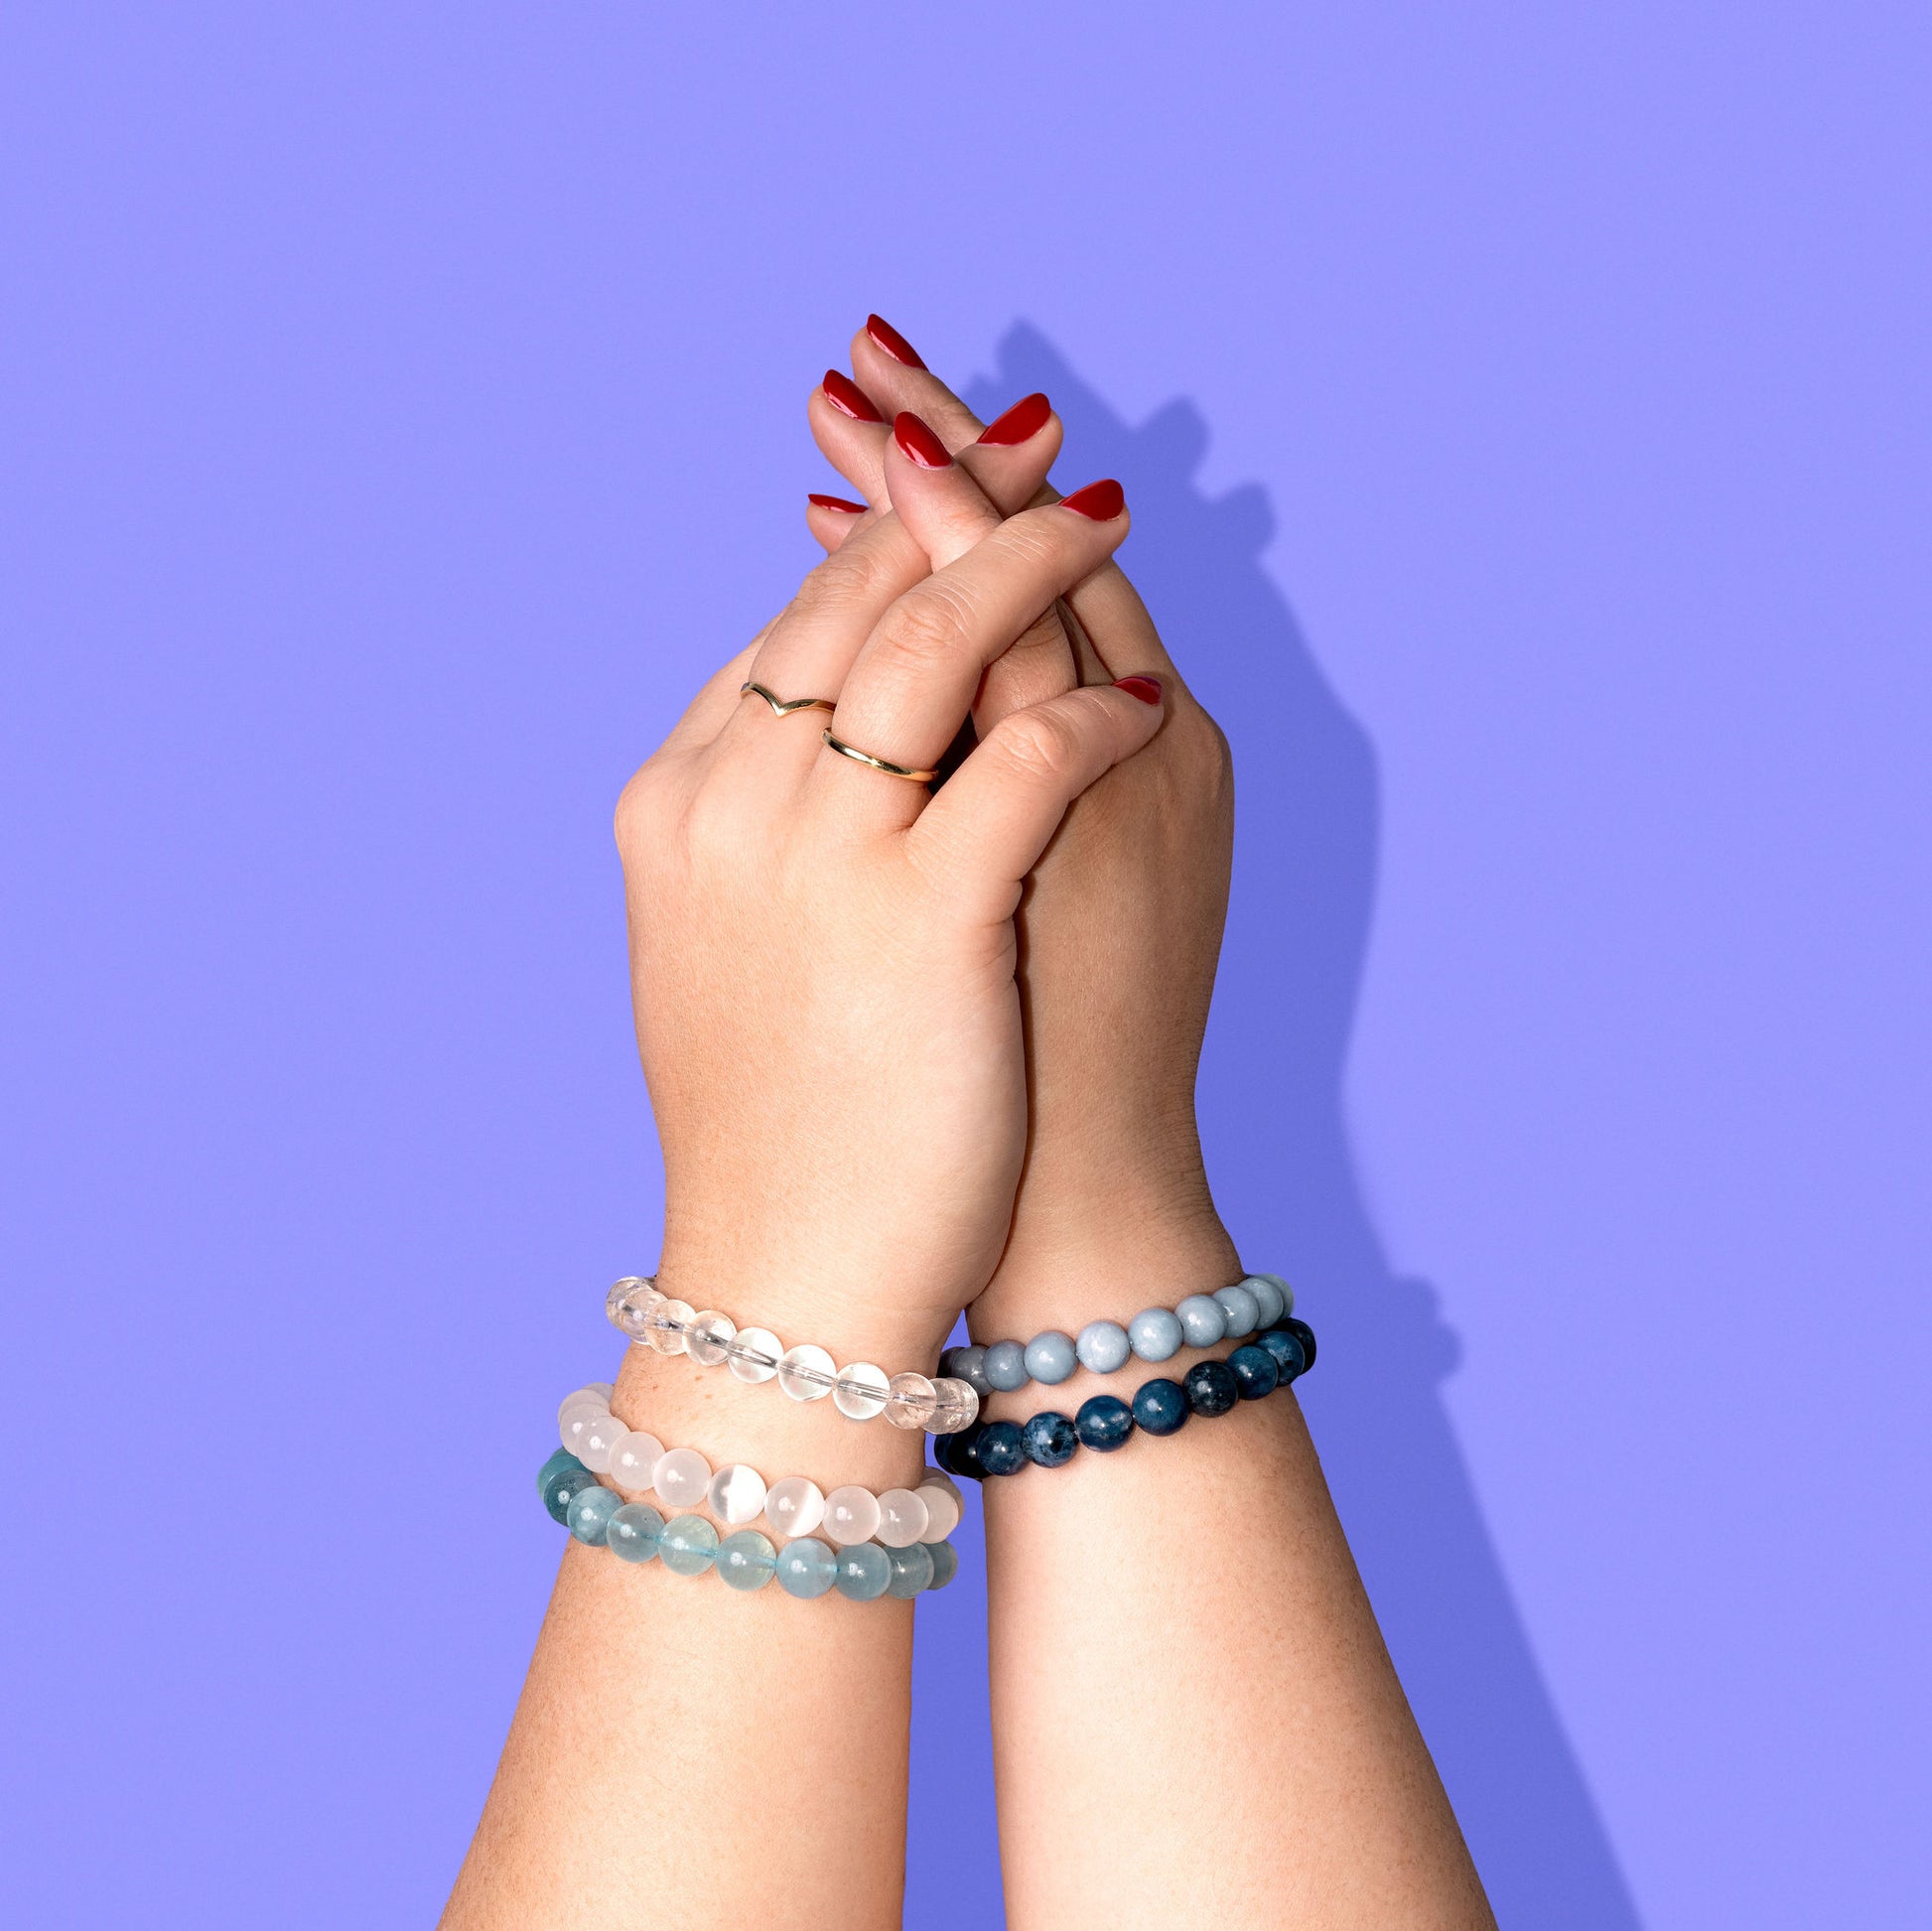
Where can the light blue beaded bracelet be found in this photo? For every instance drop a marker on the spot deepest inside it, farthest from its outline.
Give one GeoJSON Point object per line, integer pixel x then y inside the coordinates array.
{"type": "Point", "coordinates": [688, 1545]}
{"type": "Point", "coordinates": [1103, 1346]}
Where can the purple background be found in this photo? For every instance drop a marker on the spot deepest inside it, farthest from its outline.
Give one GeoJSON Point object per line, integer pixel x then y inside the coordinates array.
{"type": "Point", "coordinates": [1526, 416]}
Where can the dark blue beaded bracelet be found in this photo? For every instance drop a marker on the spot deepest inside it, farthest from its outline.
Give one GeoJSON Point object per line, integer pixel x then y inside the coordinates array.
{"type": "Point", "coordinates": [1002, 1448]}
{"type": "Point", "coordinates": [1255, 1370]}
{"type": "Point", "coordinates": [1211, 1388]}
{"type": "Point", "coordinates": [1289, 1361]}
{"type": "Point", "coordinates": [1304, 1333]}
{"type": "Point", "coordinates": [1104, 1424]}
{"type": "Point", "coordinates": [1051, 1441]}
{"type": "Point", "coordinates": [1160, 1406]}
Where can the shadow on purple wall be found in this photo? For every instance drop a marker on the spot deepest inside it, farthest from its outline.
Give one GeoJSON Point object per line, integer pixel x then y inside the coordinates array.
{"type": "Point", "coordinates": [1271, 1106]}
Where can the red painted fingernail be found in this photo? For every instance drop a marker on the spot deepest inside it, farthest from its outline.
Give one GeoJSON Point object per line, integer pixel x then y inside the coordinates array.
{"type": "Point", "coordinates": [845, 396]}
{"type": "Point", "coordinates": [1102, 502]}
{"type": "Point", "coordinates": [919, 442]}
{"type": "Point", "coordinates": [1021, 424]}
{"type": "Point", "coordinates": [837, 502]}
{"type": "Point", "coordinates": [1146, 689]}
{"type": "Point", "coordinates": [892, 342]}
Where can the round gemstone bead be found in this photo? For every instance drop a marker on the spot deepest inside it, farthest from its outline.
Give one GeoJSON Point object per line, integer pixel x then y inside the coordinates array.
{"type": "Point", "coordinates": [945, 1563]}
{"type": "Point", "coordinates": [851, 1515]}
{"type": "Point", "coordinates": [969, 1364]}
{"type": "Point", "coordinates": [806, 1373]}
{"type": "Point", "coordinates": [956, 1405]}
{"type": "Point", "coordinates": [806, 1568]}
{"type": "Point", "coordinates": [1005, 1366]}
{"type": "Point", "coordinates": [1050, 1357]}
{"type": "Point", "coordinates": [1050, 1440]}
{"type": "Point", "coordinates": [1287, 1292]}
{"type": "Point", "coordinates": [634, 1462]}
{"type": "Point", "coordinates": [912, 1571]}
{"type": "Point", "coordinates": [1268, 1297]}
{"type": "Point", "coordinates": [959, 1455]}
{"type": "Point", "coordinates": [632, 1532]}
{"type": "Point", "coordinates": [1103, 1346]}
{"type": "Point", "coordinates": [795, 1507]}
{"type": "Point", "coordinates": [1156, 1333]}
{"type": "Point", "coordinates": [636, 1309]}
{"type": "Point", "coordinates": [934, 1479]}
{"type": "Point", "coordinates": [753, 1354]}
{"type": "Point", "coordinates": [1000, 1449]}
{"type": "Point", "coordinates": [736, 1494]}
{"type": "Point", "coordinates": [1254, 1368]}
{"type": "Point", "coordinates": [1304, 1333]}
{"type": "Point", "coordinates": [746, 1561]}
{"type": "Point", "coordinates": [949, 1360]}
{"type": "Point", "coordinates": [902, 1518]}
{"type": "Point", "coordinates": [618, 1290]}
{"type": "Point", "coordinates": [682, 1478]}
{"type": "Point", "coordinates": [911, 1400]}
{"type": "Point", "coordinates": [1242, 1309]}
{"type": "Point", "coordinates": [1203, 1320]}
{"type": "Point", "coordinates": [864, 1571]}
{"type": "Point", "coordinates": [578, 1421]}
{"type": "Point", "coordinates": [941, 1510]}
{"type": "Point", "coordinates": [1160, 1407]}
{"type": "Point", "coordinates": [561, 1460]}
{"type": "Point", "coordinates": [1211, 1388]}
{"type": "Point", "coordinates": [1104, 1423]}
{"type": "Point", "coordinates": [600, 1439]}
{"type": "Point", "coordinates": [581, 1397]}
{"type": "Point", "coordinates": [1289, 1361]}
{"type": "Point", "coordinates": [665, 1325]}
{"type": "Point", "coordinates": [559, 1482]}
{"type": "Point", "coordinates": [709, 1337]}
{"type": "Point", "coordinates": [605, 1388]}
{"type": "Point", "coordinates": [590, 1513]}
{"type": "Point", "coordinates": [860, 1391]}
{"type": "Point", "coordinates": [688, 1543]}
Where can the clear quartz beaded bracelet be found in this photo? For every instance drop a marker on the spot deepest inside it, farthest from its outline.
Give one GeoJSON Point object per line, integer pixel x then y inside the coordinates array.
{"type": "Point", "coordinates": [859, 1392]}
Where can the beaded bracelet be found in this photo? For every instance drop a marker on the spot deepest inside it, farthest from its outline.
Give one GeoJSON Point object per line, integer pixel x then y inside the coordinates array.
{"type": "Point", "coordinates": [805, 1373]}
{"type": "Point", "coordinates": [1155, 1335]}
{"type": "Point", "coordinates": [1160, 1407]}
{"type": "Point", "coordinates": [638, 1462]}
{"type": "Point", "coordinates": [634, 1531]}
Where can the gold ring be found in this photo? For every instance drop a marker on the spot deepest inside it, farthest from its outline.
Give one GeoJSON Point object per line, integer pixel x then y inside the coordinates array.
{"type": "Point", "coordinates": [858, 757]}
{"type": "Point", "coordinates": [783, 707]}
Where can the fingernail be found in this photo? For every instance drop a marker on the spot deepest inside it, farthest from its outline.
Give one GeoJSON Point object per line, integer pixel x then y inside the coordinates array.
{"type": "Point", "coordinates": [919, 442]}
{"type": "Point", "coordinates": [1102, 502]}
{"type": "Point", "coordinates": [892, 342]}
{"type": "Point", "coordinates": [1146, 689]}
{"type": "Point", "coordinates": [846, 396]}
{"type": "Point", "coordinates": [1021, 424]}
{"type": "Point", "coordinates": [837, 502]}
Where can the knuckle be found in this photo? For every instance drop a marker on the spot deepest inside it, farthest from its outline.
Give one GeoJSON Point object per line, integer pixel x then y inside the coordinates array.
{"type": "Point", "coordinates": [849, 579]}
{"type": "Point", "coordinates": [926, 628]}
{"type": "Point", "coordinates": [1040, 743]}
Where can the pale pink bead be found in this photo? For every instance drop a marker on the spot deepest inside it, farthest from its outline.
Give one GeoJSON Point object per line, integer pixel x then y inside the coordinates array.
{"type": "Point", "coordinates": [736, 1494]}
{"type": "Point", "coordinates": [602, 1435]}
{"type": "Point", "coordinates": [794, 1506]}
{"type": "Point", "coordinates": [592, 1396]}
{"type": "Point", "coordinates": [911, 1402]}
{"type": "Point", "coordinates": [902, 1519]}
{"type": "Point", "coordinates": [578, 1420]}
{"type": "Point", "coordinates": [942, 1512]}
{"type": "Point", "coordinates": [851, 1515]}
{"type": "Point", "coordinates": [634, 1462]}
{"type": "Point", "coordinates": [682, 1477]}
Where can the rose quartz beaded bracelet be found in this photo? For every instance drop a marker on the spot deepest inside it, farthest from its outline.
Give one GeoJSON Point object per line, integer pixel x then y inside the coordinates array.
{"type": "Point", "coordinates": [805, 1373]}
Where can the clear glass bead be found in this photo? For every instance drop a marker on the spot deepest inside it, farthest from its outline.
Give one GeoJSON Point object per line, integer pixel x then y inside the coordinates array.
{"type": "Point", "coordinates": [634, 1462]}
{"type": "Point", "coordinates": [746, 1561]}
{"type": "Point", "coordinates": [942, 1512]}
{"type": "Point", "coordinates": [910, 1402]}
{"type": "Point", "coordinates": [682, 1478]}
{"type": "Point", "coordinates": [666, 1325]}
{"type": "Point", "coordinates": [860, 1391]}
{"type": "Point", "coordinates": [753, 1354]}
{"type": "Point", "coordinates": [795, 1506]}
{"type": "Point", "coordinates": [708, 1339]}
{"type": "Point", "coordinates": [902, 1518]}
{"type": "Point", "coordinates": [619, 1289]}
{"type": "Point", "coordinates": [851, 1515]}
{"type": "Point", "coordinates": [637, 1308]}
{"type": "Point", "coordinates": [600, 1439]}
{"type": "Point", "coordinates": [735, 1494]}
{"type": "Point", "coordinates": [957, 1408]}
{"type": "Point", "coordinates": [806, 1373]}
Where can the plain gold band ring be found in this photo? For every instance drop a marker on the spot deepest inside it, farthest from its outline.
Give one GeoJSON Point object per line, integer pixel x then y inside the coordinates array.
{"type": "Point", "coordinates": [783, 707]}
{"type": "Point", "coordinates": [858, 757]}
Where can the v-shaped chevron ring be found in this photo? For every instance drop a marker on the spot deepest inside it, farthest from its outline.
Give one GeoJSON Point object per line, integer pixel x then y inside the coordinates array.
{"type": "Point", "coordinates": [783, 707]}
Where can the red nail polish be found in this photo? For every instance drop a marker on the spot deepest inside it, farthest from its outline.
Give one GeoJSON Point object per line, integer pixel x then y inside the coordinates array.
{"type": "Point", "coordinates": [846, 396]}
{"type": "Point", "coordinates": [1021, 424]}
{"type": "Point", "coordinates": [919, 442]}
{"type": "Point", "coordinates": [1146, 689]}
{"type": "Point", "coordinates": [892, 342]}
{"type": "Point", "coordinates": [1102, 502]}
{"type": "Point", "coordinates": [837, 502]}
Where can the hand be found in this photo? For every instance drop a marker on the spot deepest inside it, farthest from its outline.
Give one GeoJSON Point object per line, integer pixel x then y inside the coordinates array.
{"type": "Point", "coordinates": [1120, 925]}
{"type": "Point", "coordinates": [823, 956]}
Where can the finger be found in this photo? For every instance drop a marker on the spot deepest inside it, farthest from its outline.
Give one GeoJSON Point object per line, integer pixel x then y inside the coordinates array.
{"type": "Point", "coordinates": [893, 374]}
{"type": "Point", "coordinates": [831, 519]}
{"type": "Point", "coordinates": [710, 710]}
{"type": "Point", "coordinates": [850, 430]}
{"type": "Point", "coordinates": [990, 824]}
{"type": "Point", "coordinates": [915, 680]}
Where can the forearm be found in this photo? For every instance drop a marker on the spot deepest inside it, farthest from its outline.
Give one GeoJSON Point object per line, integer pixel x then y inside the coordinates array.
{"type": "Point", "coordinates": [1192, 1702]}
